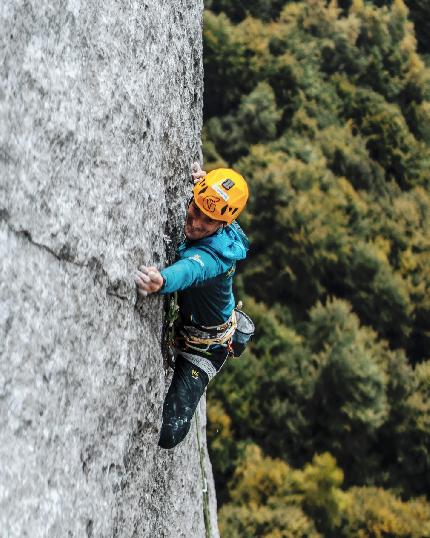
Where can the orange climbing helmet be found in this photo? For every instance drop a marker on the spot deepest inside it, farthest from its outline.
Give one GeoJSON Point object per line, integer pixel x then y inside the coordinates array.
{"type": "Point", "coordinates": [221, 194]}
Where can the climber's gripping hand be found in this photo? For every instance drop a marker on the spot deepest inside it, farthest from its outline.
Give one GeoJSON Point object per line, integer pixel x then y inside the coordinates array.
{"type": "Point", "coordinates": [148, 280]}
{"type": "Point", "coordinates": [197, 172]}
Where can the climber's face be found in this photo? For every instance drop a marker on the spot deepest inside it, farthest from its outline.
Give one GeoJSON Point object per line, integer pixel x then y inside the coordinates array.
{"type": "Point", "coordinates": [199, 225]}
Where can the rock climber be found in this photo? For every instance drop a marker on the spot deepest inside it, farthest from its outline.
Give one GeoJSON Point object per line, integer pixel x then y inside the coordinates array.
{"type": "Point", "coordinates": [203, 278]}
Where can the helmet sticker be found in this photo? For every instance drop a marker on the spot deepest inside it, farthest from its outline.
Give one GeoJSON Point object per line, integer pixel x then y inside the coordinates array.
{"type": "Point", "coordinates": [219, 191]}
{"type": "Point", "coordinates": [227, 184]}
{"type": "Point", "coordinates": [209, 203]}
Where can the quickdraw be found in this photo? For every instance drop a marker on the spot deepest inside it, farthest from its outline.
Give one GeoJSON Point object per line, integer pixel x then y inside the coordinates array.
{"type": "Point", "coordinates": [171, 318]}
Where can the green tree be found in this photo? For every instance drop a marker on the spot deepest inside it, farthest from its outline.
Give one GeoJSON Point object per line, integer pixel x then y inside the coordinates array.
{"type": "Point", "coordinates": [264, 9]}
{"type": "Point", "coordinates": [223, 449]}
{"type": "Point", "coordinates": [265, 501]}
{"type": "Point", "coordinates": [320, 243]}
{"type": "Point", "coordinates": [256, 119]}
{"type": "Point", "coordinates": [348, 156]}
{"type": "Point", "coordinates": [375, 513]}
{"type": "Point", "coordinates": [258, 114]}
{"type": "Point", "coordinates": [249, 521]}
{"type": "Point", "coordinates": [420, 14]}
{"type": "Point", "coordinates": [319, 484]}
{"type": "Point", "coordinates": [275, 372]}
{"type": "Point", "coordinates": [350, 399]}
{"type": "Point", "coordinates": [410, 435]}
{"type": "Point", "coordinates": [224, 65]}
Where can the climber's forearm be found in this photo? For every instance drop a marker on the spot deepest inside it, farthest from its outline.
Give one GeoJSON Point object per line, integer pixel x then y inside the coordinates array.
{"type": "Point", "coordinates": [181, 275]}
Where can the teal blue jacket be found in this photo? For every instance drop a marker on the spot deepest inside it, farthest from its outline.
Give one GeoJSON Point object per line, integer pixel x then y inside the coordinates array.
{"type": "Point", "coordinates": [203, 275]}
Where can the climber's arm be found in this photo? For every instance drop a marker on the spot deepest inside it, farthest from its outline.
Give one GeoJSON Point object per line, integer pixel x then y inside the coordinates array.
{"type": "Point", "coordinates": [195, 267]}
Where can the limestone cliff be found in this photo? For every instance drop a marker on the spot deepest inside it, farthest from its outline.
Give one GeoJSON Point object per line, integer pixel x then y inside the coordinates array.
{"type": "Point", "coordinates": [100, 118]}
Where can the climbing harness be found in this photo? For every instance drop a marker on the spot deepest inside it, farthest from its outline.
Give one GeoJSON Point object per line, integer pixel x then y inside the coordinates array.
{"type": "Point", "coordinates": [194, 342]}
{"type": "Point", "coordinates": [200, 338]}
{"type": "Point", "coordinates": [234, 334]}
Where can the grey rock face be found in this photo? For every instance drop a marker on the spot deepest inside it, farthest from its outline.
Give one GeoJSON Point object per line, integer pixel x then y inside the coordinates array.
{"type": "Point", "coordinates": [100, 118]}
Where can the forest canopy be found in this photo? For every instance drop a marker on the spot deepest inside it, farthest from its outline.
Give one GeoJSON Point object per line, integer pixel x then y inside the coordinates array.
{"type": "Point", "coordinates": [324, 107]}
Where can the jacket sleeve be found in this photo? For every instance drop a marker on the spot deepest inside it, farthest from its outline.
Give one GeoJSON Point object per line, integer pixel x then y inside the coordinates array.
{"type": "Point", "coordinates": [194, 267]}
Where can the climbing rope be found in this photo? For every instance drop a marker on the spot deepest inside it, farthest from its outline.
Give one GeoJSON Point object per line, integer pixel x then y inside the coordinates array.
{"type": "Point", "coordinates": [205, 491]}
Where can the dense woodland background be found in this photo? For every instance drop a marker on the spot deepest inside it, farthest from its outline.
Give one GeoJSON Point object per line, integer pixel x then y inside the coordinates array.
{"type": "Point", "coordinates": [323, 428]}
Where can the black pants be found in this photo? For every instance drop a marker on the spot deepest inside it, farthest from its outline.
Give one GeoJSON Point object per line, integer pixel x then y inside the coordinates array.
{"type": "Point", "coordinates": [188, 385]}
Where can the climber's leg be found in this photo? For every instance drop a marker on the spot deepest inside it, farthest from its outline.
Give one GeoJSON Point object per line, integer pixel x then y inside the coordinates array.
{"type": "Point", "coordinates": [188, 384]}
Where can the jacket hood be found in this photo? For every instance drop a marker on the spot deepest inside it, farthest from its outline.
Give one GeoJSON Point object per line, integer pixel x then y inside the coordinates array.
{"type": "Point", "coordinates": [229, 243]}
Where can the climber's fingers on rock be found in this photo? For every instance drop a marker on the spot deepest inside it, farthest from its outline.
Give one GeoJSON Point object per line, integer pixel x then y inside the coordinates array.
{"type": "Point", "coordinates": [195, 167]}
{"type": "Point", "coordinates": [144, 289]}
{"type": "Point", "coordinates": [155, 277]}
{"type": "Point", "coordinates": [197, 176]}
{"type": "Point", "coordinates": [148, 280]}
{"type": "Point", "coordinates": [197, 172]}
{"type": "Point", "coordinates": [143, 281]}
{"type": "Point", "coordinates": [141, 285]}
{"type": "Point", "coordinates": [147, 268]}
{"type": "Point", "coordinates": [143, 276]}
{"type": "Point", "coordinates": [151, 274]}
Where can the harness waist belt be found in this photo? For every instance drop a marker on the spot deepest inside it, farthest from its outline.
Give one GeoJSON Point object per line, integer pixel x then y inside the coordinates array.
{"type": "Point", "coordinates": [220, 335]}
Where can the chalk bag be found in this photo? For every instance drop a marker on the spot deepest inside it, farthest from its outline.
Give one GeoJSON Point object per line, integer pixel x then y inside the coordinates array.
{"type": "Point", "coordinates": [244, 331]}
